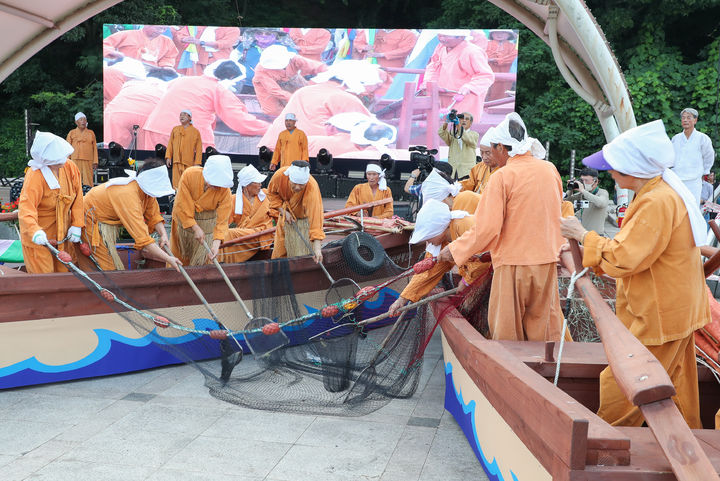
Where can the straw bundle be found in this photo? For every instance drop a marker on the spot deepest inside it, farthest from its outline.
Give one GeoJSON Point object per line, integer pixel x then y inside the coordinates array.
{"type": "Point", "coordinates": [109, 234]}
{"type": "Point", "coordinates": [297, 238]}
{"type": "Point", "coordinates": [189, 247]}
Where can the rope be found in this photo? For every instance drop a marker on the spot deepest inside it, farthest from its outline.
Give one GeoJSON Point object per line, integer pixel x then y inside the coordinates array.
{"type": "Point", "coordinates": [571, 287]}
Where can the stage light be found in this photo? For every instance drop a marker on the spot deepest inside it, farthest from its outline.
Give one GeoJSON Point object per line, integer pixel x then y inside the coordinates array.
{"type": "Point", "coordinates": [160, 151]}
{"type": "Point", "coordinates": [115, 154]}
{"type": "Point", "coordinates": [324, 161]}
{"type": "Point", "coordinates": [265, 156]}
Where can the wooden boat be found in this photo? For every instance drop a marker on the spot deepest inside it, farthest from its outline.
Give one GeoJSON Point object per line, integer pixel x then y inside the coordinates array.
{"type": "Point", "coordinates": [522, 427]}
{"type": "Point", "coordinates": [54, 328]}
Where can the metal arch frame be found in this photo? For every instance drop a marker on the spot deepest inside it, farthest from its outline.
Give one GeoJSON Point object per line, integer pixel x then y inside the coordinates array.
{"type": "Point", "coordinates": [601, 82]}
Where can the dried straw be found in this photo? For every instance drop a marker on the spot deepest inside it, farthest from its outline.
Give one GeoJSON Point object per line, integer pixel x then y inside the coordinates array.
{"type": "Point", "coordinates": [109, 234]}
{"type": "Point", "coordinates": [189, 247]}
{"type": "Point", "coordinates": [297, 238]}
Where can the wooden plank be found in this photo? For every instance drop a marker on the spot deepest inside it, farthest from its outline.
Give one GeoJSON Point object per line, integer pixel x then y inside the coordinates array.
{"type": "Point", "coordinates": [515, 391]}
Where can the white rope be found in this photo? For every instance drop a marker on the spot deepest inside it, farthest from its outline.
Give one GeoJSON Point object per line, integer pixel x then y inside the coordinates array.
{"type": "Point", "coordinates": [571, 287]}
{"type": "Point", "coordinates": [704, 362]}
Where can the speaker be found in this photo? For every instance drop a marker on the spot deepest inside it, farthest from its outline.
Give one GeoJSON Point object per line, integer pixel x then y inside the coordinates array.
{"type": "Point", "coordinates": [327, 184]}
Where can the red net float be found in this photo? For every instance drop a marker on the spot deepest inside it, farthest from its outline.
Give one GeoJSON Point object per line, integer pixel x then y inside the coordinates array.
{"type": "Point", "coordinates": [270, 329]}
{"type": "Point", "coordinates": [64, 256]}
{"type": "Point", "coordinates": [85, 249]}
{"type": "Point", "coordinates": [329, 311]}
{"type": "Point", "coordinates": [161, 321]}
{"type": "Point", "coordinates": [424, 265]}
{"type": "Point", "coordinates": [107, 295]}
{"type": "Point", "coordinates": [365, 293]}
{"type": "Point", "coordinates": [218, 334]}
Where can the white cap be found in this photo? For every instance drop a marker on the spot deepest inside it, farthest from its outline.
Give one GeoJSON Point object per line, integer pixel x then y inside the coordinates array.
{"type": "Point", "coordinates": [186, 111]}
{"type": "Point", "coordinates": [275, 57]}
{"type": "Point", "coordinates": [79, 116]}
{"type": "Point", "coordinates": [382, 183]}
{"type": "Point", "coordinates": [218, 171]}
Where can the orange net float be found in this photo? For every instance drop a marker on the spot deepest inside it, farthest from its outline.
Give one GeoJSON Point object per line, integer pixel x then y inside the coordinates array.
{"type": "Point", "coordinates": [350, 305]}
{"type": "Point", "coordinates": [424, 265]}
{"type": "Point", "coordinates": [271, 328]}
{"type": "Point", "coordinates": [64, 256]}
{"type": "Point", "coordinates": [85, 249]}
{"type": "Point", "coordinates": [107, 295]}
{"type": "Point", "coordinates": [218, 334]}
{"type": "Point", "coordinates": [330, 311]}
{"type": "Point", "coordinates": [161, 321]}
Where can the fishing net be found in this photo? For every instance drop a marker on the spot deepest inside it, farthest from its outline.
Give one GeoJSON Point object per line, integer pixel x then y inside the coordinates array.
{"type": "Point", "coordinates": [325, 361]}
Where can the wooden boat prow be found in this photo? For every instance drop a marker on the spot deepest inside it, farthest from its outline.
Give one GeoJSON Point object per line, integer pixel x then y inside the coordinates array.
{"type": "Point", "coordinates": [522, 427]}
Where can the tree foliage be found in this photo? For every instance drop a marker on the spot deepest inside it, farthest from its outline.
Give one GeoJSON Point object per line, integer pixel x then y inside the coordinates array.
{"type": "Point", "coordinates": [668, 51]}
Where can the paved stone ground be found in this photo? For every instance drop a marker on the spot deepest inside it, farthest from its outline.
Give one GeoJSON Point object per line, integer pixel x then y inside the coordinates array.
{"type": "Point", "coordinates": [162, 425]}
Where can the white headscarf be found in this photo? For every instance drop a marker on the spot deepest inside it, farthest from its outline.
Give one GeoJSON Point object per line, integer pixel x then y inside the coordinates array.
{"type": "Point", "coordinates": [357, 134]}
{"type": "Point", "coordinates": [275, 57]}
{"type": "Point", "coordinates": [501, 135]}
{"type": "Point", "coordinates": [354, 75]}
{"type": "Point", "coordinates": [433, 219]}
{"type": "Point", "coordinates": [382, 184]}
{"type": "Point", "coordinates": [49, 149]}
{"type": "Point", "coordinates": [218, 171]}
{"type": "Point", "coordinates": [485, 141]}
{"type": "Point", "coordinates": [436, 187]}
{"type": "Point", "coordinates": [298, 175]}
{"type": "Point", "coordinates": [455, 33]}
{"type": "Point", "coordinates": [79, 115]}
{"type": "Point", "coordinates": [646, 152]}
{"type": "Point", "coordinates": [347, 120]}
{"type": "Point", "coordinates": [131, 68]}
{"type": "Point", "coordinates": [154, 182]}
{"type": "Point", "coordinates": [246, 176]}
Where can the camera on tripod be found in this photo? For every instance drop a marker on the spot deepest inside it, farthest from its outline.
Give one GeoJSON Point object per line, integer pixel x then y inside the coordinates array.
{"type": "Point", "coordinates": [423, 158]}
{"type": "Point", "coordinates": [454, 117]}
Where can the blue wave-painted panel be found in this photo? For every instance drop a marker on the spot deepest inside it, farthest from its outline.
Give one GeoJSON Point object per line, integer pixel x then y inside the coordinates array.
{"type": "Point", "coordinates": [464, 414]}
{"type": "Point", "coordinates": [117, 354]}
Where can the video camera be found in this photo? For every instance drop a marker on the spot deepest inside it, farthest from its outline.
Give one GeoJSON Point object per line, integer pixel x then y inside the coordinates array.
{"type": "Point", "coordinates": [453, 117]}
{"type": "Point", "coordinates": [573, 184]}
{"type": "Point", "coordinates": [423, 158]}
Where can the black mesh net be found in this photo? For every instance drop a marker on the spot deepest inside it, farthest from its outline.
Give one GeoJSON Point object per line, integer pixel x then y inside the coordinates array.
{"type": "Point", "coordinates": [312, 353]}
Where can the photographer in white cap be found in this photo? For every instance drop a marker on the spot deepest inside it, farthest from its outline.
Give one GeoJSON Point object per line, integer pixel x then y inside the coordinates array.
{"type": "Point", "coordinates": [375, 188]}
{"type": "Point", "coordinates": [655, 259]}
{"type": "Point", "coordinates": [250, 215]}
{"type": "Point", "coordinates": [85, 154]}
{"type": "Point", "coordinates": [295, 195]}
{"type": "Point", "coordinates": [201, 210]}
{"type": "Point", "coordinates": [292, 144]}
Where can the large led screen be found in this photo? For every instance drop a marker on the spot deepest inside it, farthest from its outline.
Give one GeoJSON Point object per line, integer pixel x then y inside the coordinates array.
{"type": "Point", "coordinates": [356, 92]}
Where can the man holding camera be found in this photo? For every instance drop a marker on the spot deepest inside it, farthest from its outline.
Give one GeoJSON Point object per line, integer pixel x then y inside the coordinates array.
{"type": "Point", "coordinates": [462, 142]}
{"type": "Point", "coordinates": [589, 200]}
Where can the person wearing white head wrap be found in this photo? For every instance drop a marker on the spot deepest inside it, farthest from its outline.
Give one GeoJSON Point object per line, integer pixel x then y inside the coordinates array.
{"type": "Point", "coordinates": [525, 194]}
{"type": "Point", "coordinates": [251, 216]}
{"type": "Point", "coordinates": [480, 173]}
{"type": "Point", "coordinates": [278, 74]}
{"type": "Point", "coordinates": [184, 148]}
{"type": "Point", "coordinates": [128, 202]}
{"type": "Point", "coordinates": [655, 258]}
{"type": "Point", "coordinates": [50, 204]}
{"type": "Point", "coordinates": [146, 43]}
{"type": "Point", "coordinates": [294, 194]}
{"type": "Point", "coordinates": [201, 210]}
{"type": "Point", "coordinates": [355, 75]}
{"type": "Point", "coordinates": [291, 145]}
{"type": "Point", "coordinates": [374, 189]}
{"type": "Point", "coordinates": [437, 187]}
{"type": "Point", "coordinates": [694, 153]}
{"type": "Point", "coordinates": [436, 225]}
{"type": "Point", "coordinates": [85, 154]}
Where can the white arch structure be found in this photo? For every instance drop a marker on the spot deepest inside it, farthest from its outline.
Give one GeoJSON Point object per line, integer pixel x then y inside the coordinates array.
{"type": "Point", "coordinates": [579, 48]}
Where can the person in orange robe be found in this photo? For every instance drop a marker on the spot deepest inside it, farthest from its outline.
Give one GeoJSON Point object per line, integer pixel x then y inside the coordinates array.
{"type": "Point", "coordinates": [294, 194]}
{"type": "Point", "coordinates": [292, 144]}
{"type": "Point", "coordinates": [523, 196]}
{"type": "Point", "coordinates": [113, 81]}
{"type": "Point", "coordinates": [129, 202]}
{"type": "Point", "coordinates": [148, 45]}
{"type": "Point", "coordinates": [334, 91]}
{"type": "Point", "coordinates": [250, 215]}
{"type": "Point", "coordinates": [204, 46]}
{"type": "Point", "coordinates": [203, 195]}
{"type": "Point", "coordinates": [310, 42]}
{"type": "Point", "coordinates": [278, 74]}
{"type": "Point", "coordinates": [184, 147]}
{"type": "Point", "coordinates": [375, 189]}
{"type": "Point", "coordinates": [481, 172]}
{"type": "Point", "coordinates": [461, 71]}
{"type": "Point", "coordinates": [132, 106]}
{"type": "Point", "coordinates": [50, 204]}
{"type": "Point", "coordinates": [208, 99]}
{"type": "Point", "coordinates": [655, 259]}
{"type": "Point", "coordinates": [390, 46]}
{"type": "Point", "coordinates": [85, 155]}
{"type": "Point", "coordinates": [501, 52]}
{"type": "Point", "coordinates": [437, 225]}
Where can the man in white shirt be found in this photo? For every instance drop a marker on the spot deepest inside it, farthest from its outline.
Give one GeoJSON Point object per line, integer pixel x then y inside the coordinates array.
{"type": "Point", "coordinates": [694, 154]}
